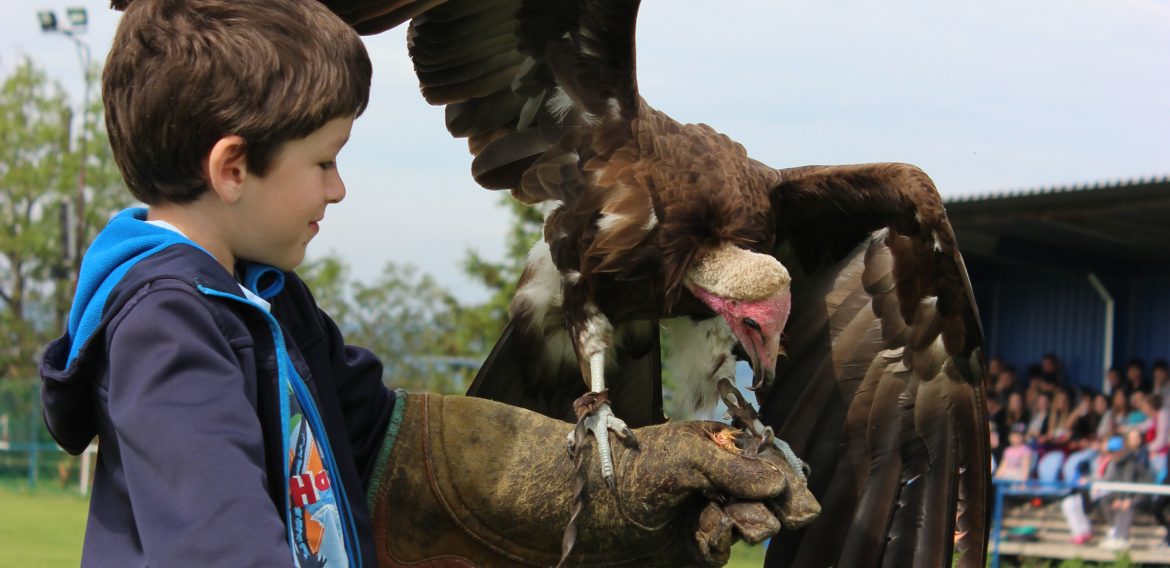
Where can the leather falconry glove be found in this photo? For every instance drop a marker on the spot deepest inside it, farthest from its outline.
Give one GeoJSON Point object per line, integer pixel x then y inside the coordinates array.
{"type": "Point", "coordinates": [466, 482]}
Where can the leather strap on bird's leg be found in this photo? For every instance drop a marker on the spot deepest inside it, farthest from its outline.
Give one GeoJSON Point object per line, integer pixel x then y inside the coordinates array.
{"type": "Point", "coordinates": [471, 482]}
{"type": "Point", "coordinates": [744, 416]}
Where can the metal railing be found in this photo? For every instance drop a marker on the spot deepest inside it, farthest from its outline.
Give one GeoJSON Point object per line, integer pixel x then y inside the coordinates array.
{"type": "Point", "coordinates": [1036, 488]}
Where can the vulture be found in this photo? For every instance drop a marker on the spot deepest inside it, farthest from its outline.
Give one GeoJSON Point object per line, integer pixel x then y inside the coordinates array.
{"type": "Point", "coordinates": [842, 285]}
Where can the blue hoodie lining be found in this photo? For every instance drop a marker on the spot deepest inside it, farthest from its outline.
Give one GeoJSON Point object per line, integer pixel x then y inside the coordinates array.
{"type": "Point", "coordinates": [292, 381]}
{"type": "Point", "coordinates": [126, 241]}
{"type": "Point", "coordinates": [263, 280]}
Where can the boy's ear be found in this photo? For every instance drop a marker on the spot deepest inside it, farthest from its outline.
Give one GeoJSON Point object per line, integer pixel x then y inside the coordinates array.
{"type": "Point", "coordinates": [227, 168]}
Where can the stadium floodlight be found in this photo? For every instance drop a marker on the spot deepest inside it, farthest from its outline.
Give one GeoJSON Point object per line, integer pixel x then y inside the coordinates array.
{"type": "Point", "coordinates": [78, 19]}
{"type": "Point", "coordinates": [48, 20]}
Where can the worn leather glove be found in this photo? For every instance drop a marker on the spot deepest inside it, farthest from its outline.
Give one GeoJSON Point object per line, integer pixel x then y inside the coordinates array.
{"type": "Point", "coordinates": [470, 482]}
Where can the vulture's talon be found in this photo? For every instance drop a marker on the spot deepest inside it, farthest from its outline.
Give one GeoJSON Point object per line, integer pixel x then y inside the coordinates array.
{"type": "Point", "coordinates": [801, 468]}
{"type": "Point", "coordinates": [599, 423]}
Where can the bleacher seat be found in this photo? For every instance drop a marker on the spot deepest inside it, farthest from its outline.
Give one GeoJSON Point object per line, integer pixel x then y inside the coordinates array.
{"type": "Point", "coordinates": [1048, 469]}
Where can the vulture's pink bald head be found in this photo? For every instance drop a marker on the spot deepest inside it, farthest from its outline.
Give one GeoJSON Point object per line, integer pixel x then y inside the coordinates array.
{"type": "Point", "coordinates": [757, 325]}
{"type": "Point", "coordinates": [752, 293]}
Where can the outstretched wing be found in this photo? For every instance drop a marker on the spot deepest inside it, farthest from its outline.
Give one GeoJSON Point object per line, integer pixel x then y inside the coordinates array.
{"type": "Point", "coordinates": [523, 80]}
{"type": "Point", "coordinates": [545, 92]}
{"type": "Point", "coordinates": [881, 390]}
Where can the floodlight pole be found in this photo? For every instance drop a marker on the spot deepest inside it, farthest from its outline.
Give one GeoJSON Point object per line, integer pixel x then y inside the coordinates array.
{"type": "Point", "coordinates": [77, 247]}
{"type": "Point", "coordinates": [83, 55]}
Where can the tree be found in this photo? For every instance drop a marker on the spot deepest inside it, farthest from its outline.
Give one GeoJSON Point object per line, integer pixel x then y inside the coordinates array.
{"type": "Point", "coordinates": [482, 324]}
{"type": "Point", "coordinates": [405, 318]}
{"type": "Point", "coordinates": [38, 175]}
{"type": "Point", "coordinates": [426, 338]}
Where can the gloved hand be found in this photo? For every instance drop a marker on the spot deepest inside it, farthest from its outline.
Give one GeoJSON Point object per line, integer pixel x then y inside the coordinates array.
{"type": "Point", "coordinates": [470, 482]}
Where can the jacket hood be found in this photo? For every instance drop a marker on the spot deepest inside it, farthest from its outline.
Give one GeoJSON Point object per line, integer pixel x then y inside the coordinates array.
{"type": "Point", "coordinates": [66, 390]}
{"type": "Point", "coordinates": [126, 240]}
{"type": "Point", "coordinates": [108, 279]}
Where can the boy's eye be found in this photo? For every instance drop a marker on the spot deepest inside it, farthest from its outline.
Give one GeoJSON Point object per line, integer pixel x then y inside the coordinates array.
{"type": "Point", "coordinates": [328, 165]}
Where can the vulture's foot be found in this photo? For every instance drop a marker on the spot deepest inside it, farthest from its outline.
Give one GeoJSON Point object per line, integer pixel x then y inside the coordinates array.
{"type": "Point", "coordinates": [597, 417]}
{"type": "Point", "coordinates": [802, 469]}
{"type": "Point", "coordinates": [746, 417]}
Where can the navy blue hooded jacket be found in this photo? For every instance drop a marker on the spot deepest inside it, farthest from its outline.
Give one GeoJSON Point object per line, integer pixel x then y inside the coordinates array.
{"type": "Point", "coordinates": [178, 381]}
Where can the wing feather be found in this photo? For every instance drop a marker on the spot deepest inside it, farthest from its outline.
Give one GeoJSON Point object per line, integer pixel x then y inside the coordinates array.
{"type": "Point", "coordinates": [881, 392]}
{"type": "Point", "coordinates": [881, 389]}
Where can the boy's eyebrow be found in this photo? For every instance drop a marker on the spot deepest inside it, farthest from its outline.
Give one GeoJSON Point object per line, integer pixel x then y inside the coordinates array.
{"type": "Point", "coordinates": [339, 144]}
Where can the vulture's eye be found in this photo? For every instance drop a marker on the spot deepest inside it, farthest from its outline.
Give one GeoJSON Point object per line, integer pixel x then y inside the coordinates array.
{"type": "Point", "coordinates": [751, 323]}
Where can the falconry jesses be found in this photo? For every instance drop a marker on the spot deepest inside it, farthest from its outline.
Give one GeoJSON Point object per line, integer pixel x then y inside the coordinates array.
{"type": "Point", "coordinates": [853, 271]}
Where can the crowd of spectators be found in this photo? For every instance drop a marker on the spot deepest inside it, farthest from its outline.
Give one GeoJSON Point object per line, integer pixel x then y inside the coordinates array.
{"type": "Point", "coordinates": [1044, 428]}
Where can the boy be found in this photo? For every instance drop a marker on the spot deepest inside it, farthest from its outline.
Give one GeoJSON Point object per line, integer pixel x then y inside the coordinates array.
{"type": "Point", "coordinates": [235, 426]}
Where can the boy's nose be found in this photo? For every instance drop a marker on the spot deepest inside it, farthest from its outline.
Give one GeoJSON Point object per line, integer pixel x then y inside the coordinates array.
{"type": "Point", "coordinates": [336, 191]}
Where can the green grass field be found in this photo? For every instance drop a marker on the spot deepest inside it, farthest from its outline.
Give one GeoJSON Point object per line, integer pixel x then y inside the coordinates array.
{"type": "Point", "coordinates": [45, 528]}
{"type": "Point", "coordinates": [42, 528]}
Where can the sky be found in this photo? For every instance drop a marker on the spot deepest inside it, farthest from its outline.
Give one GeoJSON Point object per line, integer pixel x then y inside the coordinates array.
{"type": "Point", "coordinates": [985, 96]}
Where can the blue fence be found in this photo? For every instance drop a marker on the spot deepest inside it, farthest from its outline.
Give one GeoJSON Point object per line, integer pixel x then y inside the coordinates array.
{"type": "Point", "coordinates": [1035, 488]}
{"type": "Point", "coordinates": [27, 451]}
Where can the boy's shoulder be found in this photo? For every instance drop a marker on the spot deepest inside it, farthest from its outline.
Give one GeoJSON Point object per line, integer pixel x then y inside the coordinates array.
{"type": "Point", "coordinates": [179, 262]}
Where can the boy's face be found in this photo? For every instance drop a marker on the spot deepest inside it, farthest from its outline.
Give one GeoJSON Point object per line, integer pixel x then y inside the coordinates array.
{"type": "Point", "coordinates": [278, 214]}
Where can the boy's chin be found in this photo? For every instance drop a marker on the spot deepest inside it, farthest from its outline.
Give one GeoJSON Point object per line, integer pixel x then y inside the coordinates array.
{"type": "Point", "coordinates": [288, 263]}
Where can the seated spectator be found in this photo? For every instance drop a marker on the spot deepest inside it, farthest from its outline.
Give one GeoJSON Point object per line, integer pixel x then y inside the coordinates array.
{"type": "Point", "coordinates": [1082, 422]}
{"type": "Point", "coordinates": [1141, 416]}
{"type": "Point", "coordinates": [994, 368]}
{"type": "Point", "coordinates": [1113, 381]}
{"type": "Point", "coordinates": [1162, 380]}
{"type": "Point", "coordinates": [1051, 374]}
{"type": "Point", "coordinates": [1035, 383]}
{"type": "Point", "coordinates": [996, 450]}
{"type": "Point", "coordinates": [1115, 419]}
{"type": "Point", "coordinates": [1128, 467]}
{"type": "Point", "coordinates": [1038, 422]}
{"type": "Point", "coordinates": [998, 426]}
{"type": "Point", "coordinates": [1005, 382]}
{"type": "Point", "coordinates": [1135, 376]}
{"type": "Point", "coordinates": [1075, 505]}
{"type": "Point", "coordinates": [1015, 412]}
{"type": "Point", "coordinates": [1158, 434]}
{"type": "Point", "coordinates": [1057, 428]}
{"type": "Point", "coordinates": [1018, 457]}
{"type": "Point", "coordinates": [1161, 510]}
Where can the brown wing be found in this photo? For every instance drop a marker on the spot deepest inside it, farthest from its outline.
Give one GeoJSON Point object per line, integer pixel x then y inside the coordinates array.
{"type": "Point", "coordinates": [881, 391]}
{"type": "Point", "coordinates": [545, 92]}
{"type": "Point", "coordinates": [525, 81]}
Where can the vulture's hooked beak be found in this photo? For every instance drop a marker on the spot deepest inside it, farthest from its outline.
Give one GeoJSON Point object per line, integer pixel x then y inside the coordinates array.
{"type": "Point", "coordinates": [763, 363]}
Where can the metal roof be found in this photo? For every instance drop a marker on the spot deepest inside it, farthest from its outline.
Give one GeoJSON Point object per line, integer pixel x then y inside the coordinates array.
{"type": "Point", "coordinates": [1114, 227]}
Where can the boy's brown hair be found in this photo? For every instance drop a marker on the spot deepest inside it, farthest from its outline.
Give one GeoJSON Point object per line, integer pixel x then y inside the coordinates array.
{"type": "Point", "coordinates": [182, 74]}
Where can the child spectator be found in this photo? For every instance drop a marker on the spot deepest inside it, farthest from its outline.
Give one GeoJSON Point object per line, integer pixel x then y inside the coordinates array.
{"type": "Point", "coordinates": [1128, 467]}
{"type": "Point", "coordinates": [1075, 505]}
{"type": "Point", "coordinates": [1018, 457]}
